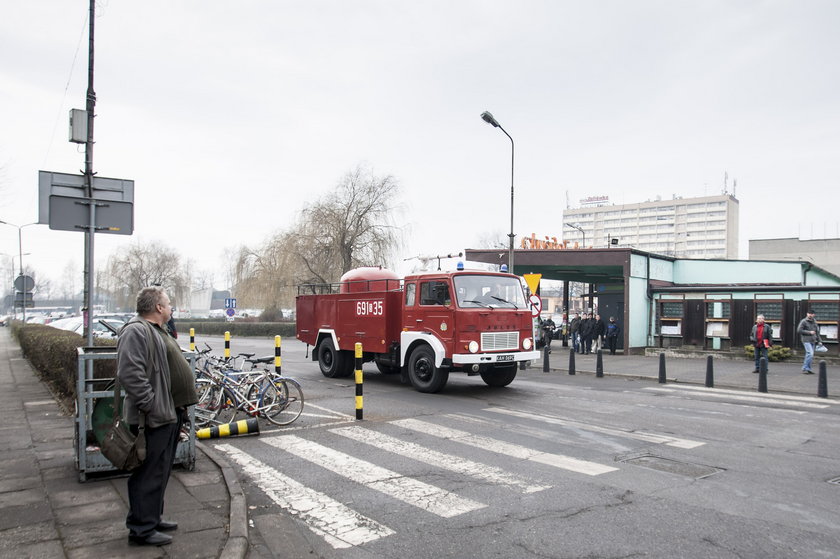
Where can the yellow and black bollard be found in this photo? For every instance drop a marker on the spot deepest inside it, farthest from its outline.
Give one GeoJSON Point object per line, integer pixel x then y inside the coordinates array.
{"type": "Point", "coordinates": [227, 345]}
{"type": "Point", "coordinates": [278, 360]}
{"type": "Point", "coordinates": [241, 427]}
{"type": "Point", "coordinates": [192, 339]}
{"type": "Point", "coordinates": [359, 398]}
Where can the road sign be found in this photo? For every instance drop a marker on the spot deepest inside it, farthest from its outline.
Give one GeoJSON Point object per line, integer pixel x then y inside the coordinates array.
{"type": "Point", "coordinates": [63, 203]}
{"type": "Point", "coordinates": [533, 281]}
{"type": "Point", "coordinates": [536, 305]}
{"type": "Point", "coordinates": [230, 303]}
{"type": "Point", "coordinates": [231, 312]}
{"type": "Point", "coordinates": [24, 283]}
{"type": "Point", "coordinates": [23, 300]}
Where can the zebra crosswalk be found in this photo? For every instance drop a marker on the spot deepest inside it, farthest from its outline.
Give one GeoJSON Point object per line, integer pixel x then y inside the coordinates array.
{"type": "Point", "coordinates": [741, 396]}
{"type": "Point", "coordinates": [386, 457]}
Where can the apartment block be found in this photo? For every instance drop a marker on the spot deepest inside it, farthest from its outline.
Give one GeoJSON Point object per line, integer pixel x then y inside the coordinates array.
{"type": "Point", "coordinates": [705, 227]}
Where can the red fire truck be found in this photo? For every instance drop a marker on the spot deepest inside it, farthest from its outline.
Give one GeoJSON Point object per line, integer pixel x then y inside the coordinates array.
{"type": "Point", "coordinates": [423, 327]}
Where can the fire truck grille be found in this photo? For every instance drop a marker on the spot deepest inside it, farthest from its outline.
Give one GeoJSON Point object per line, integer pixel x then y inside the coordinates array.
{"type": "Point", "coordinates": [492, 341]}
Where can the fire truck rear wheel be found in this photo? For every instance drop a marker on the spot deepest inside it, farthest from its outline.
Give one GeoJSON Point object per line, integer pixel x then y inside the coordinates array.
{"type": "Point", "coordinates": [331, 361]}
{"type": "Point", "coordinates": [424, 375]}
{"type": "Point", "coordinates": [499, 376]}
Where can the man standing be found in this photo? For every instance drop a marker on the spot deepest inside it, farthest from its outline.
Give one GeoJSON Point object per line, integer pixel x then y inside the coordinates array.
{"type": "Point", "coordinates": [574, 331]}
{"type": "Point", "coordinates": [144, 374]}
{"type": "Point", "coordinates": [762, 338]}
{"type": "Point", "coordinates": [613, 331]}
{"type": "Point", "coordinates": [809, 333]}
{"type": "Point", "coordinates": [548, 327]}
{"type": "Point", "coordinates": [600, 331]}
{"type": "Point", "coordinates": [587, 330]}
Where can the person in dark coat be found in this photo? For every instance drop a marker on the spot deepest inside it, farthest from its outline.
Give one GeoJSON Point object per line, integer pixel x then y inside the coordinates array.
{"type": "Point", "coordinates": [587, 330]}
{"type": "Point", "coordinates": [809, 333]}
{"type": "Point", "coordinates": [574, 332]}
{"type": "Point", "coordinates": [613, 331]}
{"type": "Point", "coordinates": [548, 327]}
{"type": "Point", "coordinates": [600, 331]}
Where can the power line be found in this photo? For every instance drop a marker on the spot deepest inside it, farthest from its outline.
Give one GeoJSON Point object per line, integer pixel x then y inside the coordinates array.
{"type": "Point", "coordinates": [66, 88]}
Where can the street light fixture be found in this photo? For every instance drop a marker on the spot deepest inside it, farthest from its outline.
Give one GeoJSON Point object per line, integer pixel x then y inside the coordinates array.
{"type": "Point", "coordinates": [487, 117]}
{"type": "Point", "coordinates": [579, 228]}
{"type": "Point", "coordinates": [20, 254]}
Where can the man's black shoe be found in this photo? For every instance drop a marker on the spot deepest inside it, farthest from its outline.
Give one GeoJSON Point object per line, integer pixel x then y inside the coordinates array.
{"type": "Point", "coordinates": [807, 372]}
{"type": "Point", "coordinates": [155, 538]}
{"type": "Point", "coordinates": [167, 525]}
{"type": "Point", "coordinates": [755, 371]}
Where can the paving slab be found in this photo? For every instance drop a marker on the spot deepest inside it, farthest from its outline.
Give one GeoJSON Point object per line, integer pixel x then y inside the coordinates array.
{"type": "Point", "coordinates": [46, 512]}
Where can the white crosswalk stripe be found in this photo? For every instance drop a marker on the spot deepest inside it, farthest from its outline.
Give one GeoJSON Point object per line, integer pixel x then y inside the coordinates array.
{"type": "Point", "coordinates": [637, 435]}
{"type": "Point", "coordinates": [506, 448]}
{"type": "Point", "coordinates": [417, 493]}
{"type": "Point", "coordinates": [775, 399]}
{"type": "Point", "coordinates": [426, 455]}
{"type": "Point", "coordinates": [340, 526]}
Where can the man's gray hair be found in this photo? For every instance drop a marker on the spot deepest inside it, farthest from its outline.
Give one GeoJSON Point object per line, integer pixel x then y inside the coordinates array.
{"type": "Point", "coordinates": [147, 298]}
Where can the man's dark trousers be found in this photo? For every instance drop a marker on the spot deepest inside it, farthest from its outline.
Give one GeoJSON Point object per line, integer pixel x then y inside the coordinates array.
{"type": "Point", "coordinates": [147, 484]}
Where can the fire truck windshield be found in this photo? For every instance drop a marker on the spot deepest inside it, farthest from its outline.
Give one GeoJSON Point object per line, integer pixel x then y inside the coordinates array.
{"type": "Point", "coordinates": [489, 291]}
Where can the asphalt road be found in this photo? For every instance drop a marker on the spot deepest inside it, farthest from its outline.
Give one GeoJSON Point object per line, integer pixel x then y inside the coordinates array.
{"type": "Point", "coordinates": [551, 466]}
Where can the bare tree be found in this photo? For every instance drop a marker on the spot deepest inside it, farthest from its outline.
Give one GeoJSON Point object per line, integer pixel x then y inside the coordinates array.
{"type": "Point", "coordinates": [352, 226]}
{"type": "Point", "coordinates": [493, 239]}
{"type": "Point", "coordinates": [264, 278]}
{"type": "Point", "coordinates": [70, 276]}
{"type": "Point", "coordinates": [139, 265]}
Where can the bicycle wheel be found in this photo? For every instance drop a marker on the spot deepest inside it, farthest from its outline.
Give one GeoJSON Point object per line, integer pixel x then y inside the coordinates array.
{"type": "Point", "coordinates": [289, 404]}
{"type": "Point", "coordinates": [228, 407]}
{"type": "Point", "coordinates": [209, 399]}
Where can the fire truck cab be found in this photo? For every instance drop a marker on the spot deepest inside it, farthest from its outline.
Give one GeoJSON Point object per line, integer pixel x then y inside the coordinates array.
{"type": "Point", "coordinates": [423, 327]}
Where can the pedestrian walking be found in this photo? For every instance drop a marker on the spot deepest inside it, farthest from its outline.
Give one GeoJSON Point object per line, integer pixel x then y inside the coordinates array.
{"type": "Point", "coordinates": [613, 330]}
{"type": "Point", "coordinates": [156, 397]}
{"type": "Point", "coordinates": [809, 333]}
{"type": "Point", "coordinates": [762, 338]}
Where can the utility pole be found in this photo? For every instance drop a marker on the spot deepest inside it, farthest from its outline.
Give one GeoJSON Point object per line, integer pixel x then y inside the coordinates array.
{"type": "Point", "coordinates": [90, 106]}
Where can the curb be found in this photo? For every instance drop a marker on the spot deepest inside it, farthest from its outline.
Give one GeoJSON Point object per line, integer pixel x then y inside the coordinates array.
{"type": "Point", "coordinates": [675, 380]}
{"type": "Point", "coordinates": [236, 546]}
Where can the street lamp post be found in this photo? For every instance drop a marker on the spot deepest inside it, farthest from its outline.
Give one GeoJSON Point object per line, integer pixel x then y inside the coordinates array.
{"type": "Point", "coordinates": [20, 255]}
{"type": "Point", "coordinates": [582, 232]}
{"type": "Point", "coordinates": [488, 118]}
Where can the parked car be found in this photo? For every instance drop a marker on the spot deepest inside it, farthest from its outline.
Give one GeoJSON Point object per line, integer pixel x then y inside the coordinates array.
{"type": "Point", "coordinates": [75, 324]}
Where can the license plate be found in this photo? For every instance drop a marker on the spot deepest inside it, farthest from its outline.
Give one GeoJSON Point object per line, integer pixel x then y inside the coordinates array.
{"type": "Point", "coordinates": [504, 358]}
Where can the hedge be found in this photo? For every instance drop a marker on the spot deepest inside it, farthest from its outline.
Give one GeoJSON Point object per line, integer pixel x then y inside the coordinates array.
{"type": "Point", "coordinates": [774, 353]}
{"type": "Point", "coordinates": [52, 352]}
{"type": "Point", "coordinates": [236, 328]}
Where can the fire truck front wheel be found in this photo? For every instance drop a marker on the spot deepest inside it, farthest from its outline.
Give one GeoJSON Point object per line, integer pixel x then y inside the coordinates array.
{"type": "Point", "coordinates": [331, 361]}
{"type": "Point", "coordinates": [424, 375]}
{"type": "Point", "coordinates": [499, 376]}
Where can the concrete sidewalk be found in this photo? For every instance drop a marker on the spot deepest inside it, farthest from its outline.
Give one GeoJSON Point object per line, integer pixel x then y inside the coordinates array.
{"type": "Point", "coordinates": [46, 512]}
{"type": "Point", "coordinates": [783, 377]}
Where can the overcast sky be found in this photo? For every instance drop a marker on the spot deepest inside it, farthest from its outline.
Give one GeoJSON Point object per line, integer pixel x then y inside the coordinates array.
{"type": "Point", "coordinates": [231, 116]}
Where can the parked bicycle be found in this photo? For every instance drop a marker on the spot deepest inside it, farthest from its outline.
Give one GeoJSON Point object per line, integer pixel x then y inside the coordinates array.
{"type": "Point", "coordinates": [225, 391]}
